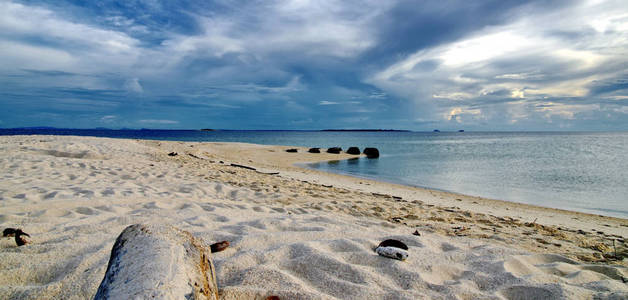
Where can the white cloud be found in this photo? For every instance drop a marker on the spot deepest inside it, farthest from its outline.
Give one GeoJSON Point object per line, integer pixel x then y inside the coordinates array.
{"type": "Point", "coordinates": [309, 28]}
{"type": "Point", "coordinates": [133, 85]}
{"type": "Point", "coordinates": [66, 45]}
{"type": "Point", "coordinates": [325, 102]}
{"type": "Point", "coordinates": [544, 54]}
{"type": "Point", "coordinates": [108, 119]}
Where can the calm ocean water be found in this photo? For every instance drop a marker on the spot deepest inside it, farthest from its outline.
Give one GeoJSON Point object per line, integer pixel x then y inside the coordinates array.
{"type": "Point", "coordinates": [579, 171]}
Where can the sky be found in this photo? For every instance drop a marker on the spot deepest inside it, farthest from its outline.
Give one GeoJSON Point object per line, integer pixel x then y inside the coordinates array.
{"type": "Point", "coordinates": [415, 65]}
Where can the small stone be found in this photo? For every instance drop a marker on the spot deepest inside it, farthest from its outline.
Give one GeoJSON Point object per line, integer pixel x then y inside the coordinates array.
{"type": "Point", "coordinates": [221, 246]}
{"type": "Point", "coordinates": [21, 238]}
{"type": "Point", "coordinates": [8, 232]}
{"type": "Point", "coordinates": [417, 233]}
{"type": "Point", "coordinates": [314, 150]}
{"type": "Point", "coordinates": [173, 154]}
{"type": "Point", "coordinates": [393, 243]}
{"type": "Point", "coordinates": [392, 252]}
{"type": "Point", "coordinates": [292, 150]}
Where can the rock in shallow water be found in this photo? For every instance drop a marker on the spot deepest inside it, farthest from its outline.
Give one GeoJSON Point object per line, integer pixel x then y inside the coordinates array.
{"type": "Point", "coordinates": [334, 150]}
{"type": "Point", "coordinates": [353, 150]}
{"type": "Point", "coordinates": [371, 152]}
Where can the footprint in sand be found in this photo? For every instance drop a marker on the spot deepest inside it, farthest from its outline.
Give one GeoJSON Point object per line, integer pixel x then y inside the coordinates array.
{"type": "Point", "coordinates": [446, 247]}
{"type": "Point", "coordinates": [529, 292]}
{"type": "Point", "coordinates": [86, 211]}
{"type": "Point", "coordinates": [278, 209]}
{"type": "Point", "coordinates": [259, 209]}
{"type": "Point", "coordinates": [107, 192]}
{"type": "Point", "coordinates": [542, 268]}
{"type": "Point", "coordinates": [207, 207]}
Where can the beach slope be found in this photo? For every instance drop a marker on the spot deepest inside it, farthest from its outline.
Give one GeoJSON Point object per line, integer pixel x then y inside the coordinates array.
{"type": "Point", "coordinates": [294, 233]}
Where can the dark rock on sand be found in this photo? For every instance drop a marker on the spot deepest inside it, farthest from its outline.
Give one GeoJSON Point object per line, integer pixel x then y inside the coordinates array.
{"type": "Point", "coordinates": [291, 150]}
{"type": "Point", "coordinates": [21, 237]}
{"type": "Point", "coordinates": [334, 150]}
{"type": "Point", "coordinates": [173, 154]}
{"type": "Point", "coordinates": [353, 150]}
{"type": "Point", "coordinates": [314, 150]}
{"type": "Point", "coordinates": [217, 247]}
{"type": "Point", "coordinates": [371, 152]}
{"type": "Point", "coordinates": [8, 232]}
{"type": "Point", "coordinates": [393, 243]}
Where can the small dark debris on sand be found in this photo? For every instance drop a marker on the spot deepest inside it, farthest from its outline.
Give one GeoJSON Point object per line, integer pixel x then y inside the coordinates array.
{"type": "Point", "coordinates": [292, 150]}
{"type": "Point", "coordinates": [393, 243]}
{"type": "Point", "coordinates": [21, 237]}
{"type": "Point", "coordinates": [314, 150]}
{"type": "Point", "coordinates": [8, 232]}
{"type": "Point", "coordinates": [173, 154]}
{"type": "Point", "coordinates": [244, 167]}
{"type": "Point", "coordinates": [381, 195]}
{"type": "Point", "coordinates": [220, 246]}
{"type": "Point", "coordinates": [268, 173]}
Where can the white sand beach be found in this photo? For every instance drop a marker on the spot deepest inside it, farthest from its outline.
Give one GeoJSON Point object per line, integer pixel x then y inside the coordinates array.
{"type": "Point", "coordinates": [298, 234]}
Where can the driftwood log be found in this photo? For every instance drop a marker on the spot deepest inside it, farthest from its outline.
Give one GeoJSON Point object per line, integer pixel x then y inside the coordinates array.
{"type": "Point", "coordinates": [158, 262]}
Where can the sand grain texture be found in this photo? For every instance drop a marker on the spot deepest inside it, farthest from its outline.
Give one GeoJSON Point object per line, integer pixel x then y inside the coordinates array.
{"type": "Point", "coordinates": [299, 234]}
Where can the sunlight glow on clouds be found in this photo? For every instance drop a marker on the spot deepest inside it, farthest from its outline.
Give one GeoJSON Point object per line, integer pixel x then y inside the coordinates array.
{"type": "Point", "coordinates": [546, 65]}
{"type": "Point", "coordinates": [485, 65]}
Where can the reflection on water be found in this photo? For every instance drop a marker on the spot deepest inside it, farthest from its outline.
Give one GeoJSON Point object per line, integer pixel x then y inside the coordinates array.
{"type": "Point", "coordinates": [572, 170]}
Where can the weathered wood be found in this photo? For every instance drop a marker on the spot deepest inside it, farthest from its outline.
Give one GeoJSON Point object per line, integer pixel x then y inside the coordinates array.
{"type": "Point", "coordinates": [158, 262]}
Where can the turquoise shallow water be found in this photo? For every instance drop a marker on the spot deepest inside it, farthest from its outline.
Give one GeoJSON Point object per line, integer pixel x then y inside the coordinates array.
{"type": "Point", "coordinates": [578, 171]}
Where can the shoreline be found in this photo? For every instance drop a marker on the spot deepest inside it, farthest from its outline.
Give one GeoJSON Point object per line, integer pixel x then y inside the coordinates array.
{"type": "Point", "coordinates": [301, 164]}
{"type": "Point", "coordinates": [295, 232]}
{"type": "Point", "coordinates": [454, 193]}
{"type": "Point", "coordinates": [443, 210]}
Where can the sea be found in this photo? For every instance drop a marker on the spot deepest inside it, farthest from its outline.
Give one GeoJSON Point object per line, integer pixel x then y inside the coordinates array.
{"type": "Point", "coordinates": [578, 171]}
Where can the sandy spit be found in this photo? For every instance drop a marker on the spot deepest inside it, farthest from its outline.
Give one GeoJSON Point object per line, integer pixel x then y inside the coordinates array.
{"type": "Point", "coordinates": [298, 234]}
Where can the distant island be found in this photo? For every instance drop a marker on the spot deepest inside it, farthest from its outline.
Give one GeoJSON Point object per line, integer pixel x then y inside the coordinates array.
{"type": "Point", "coordinates": [368, 130]}
{"type": "Point", "coordinates": [208, 129]}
